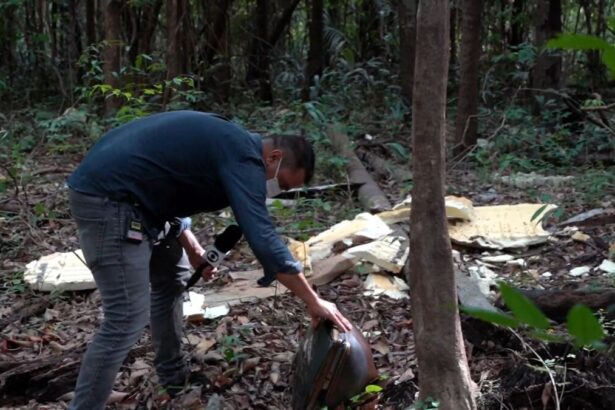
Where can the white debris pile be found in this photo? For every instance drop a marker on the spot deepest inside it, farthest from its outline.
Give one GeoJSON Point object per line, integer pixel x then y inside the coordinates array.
{"type": "Point", "coordinates": [60, 271]}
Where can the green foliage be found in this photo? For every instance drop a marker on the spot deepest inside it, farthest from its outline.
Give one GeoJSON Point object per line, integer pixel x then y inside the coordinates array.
{"type": "Point", "coordinates": [570, 41]}
{"type": "Point", "coordinates": [593, 183]}
{"type": "Point", "coordinates": [584, 329]}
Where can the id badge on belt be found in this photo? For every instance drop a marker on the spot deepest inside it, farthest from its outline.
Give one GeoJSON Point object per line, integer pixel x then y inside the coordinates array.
{"type": "Point", "coordinates": [134, 233]}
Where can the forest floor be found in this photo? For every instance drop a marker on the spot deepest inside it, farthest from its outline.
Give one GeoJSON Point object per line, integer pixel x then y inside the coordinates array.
{"type": "Point", "coordinates": [248, 353]}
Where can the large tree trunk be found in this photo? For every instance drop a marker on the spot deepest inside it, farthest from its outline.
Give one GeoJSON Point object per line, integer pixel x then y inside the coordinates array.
{"type": "Point", "coordinates": [407, 43]}
{"type": "Point", "coordinates": [316, 58]}
{"type": "Point", "coordinates": [467, 106]}
{"type": "Point", "coordinates": [443, 367]}
{"type": "Point", "coordinates": [113, 49]}
{"type": "Point", "coordinates": [546, 72]}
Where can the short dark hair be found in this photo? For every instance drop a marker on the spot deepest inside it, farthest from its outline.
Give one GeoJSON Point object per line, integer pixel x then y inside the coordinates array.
{"type": "Point", "coordinates": [298, 153]}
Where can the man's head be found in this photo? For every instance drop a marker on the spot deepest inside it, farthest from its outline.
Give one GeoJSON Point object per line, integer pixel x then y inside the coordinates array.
{"type": "Point", "coordinates": [293, 155]}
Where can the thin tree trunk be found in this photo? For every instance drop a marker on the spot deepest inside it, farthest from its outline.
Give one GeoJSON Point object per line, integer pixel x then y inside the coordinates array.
{"type": "Point", "coordinates": [90, 21]}
{"type": "Point", "coordinates": [216, 48]}
{"type": "Point", "coordinates": [407, 43]}
{"type": "Point", "coordinates": [454, 16]}
{"type": "Point", "coordinates": [149, 22]}
{"type": "Point", "coordinates": [316, 58]}
{"type": "Point", "coordinates": [546, 72]}
{"type": "Point", "coordinates": [174, 57]}
{"type": "Point", "coordinates": [74, 46]}
{"type": "Point", "coordinates": [262, 61]}
{"type": "Point", "coordinates": [444, 373]}
{"type": "Point", "coordinates": [467, 106]}
{"type": "Point", "coordinates": [113, 49]}
{"type": "Point", "coordinates": [517, 27]}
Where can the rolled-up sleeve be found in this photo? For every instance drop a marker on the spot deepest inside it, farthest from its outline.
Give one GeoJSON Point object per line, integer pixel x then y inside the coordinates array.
{"type": "Point", "coordinates": [244, 185]}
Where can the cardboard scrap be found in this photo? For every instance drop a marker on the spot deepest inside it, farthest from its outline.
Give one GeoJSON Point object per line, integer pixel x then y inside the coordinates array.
{"type": "Point", "coordinates": [60, 271]}
{"type": "Point", "coordinates": [377, 284]}
{"type": "Point", "coordinates": [242, 288]}
{"type": "Point", "coordinates": [503, 226]}
{"type": "Point", "coordinates": [301, 252]}
{"type": "Point", "coordinates": [389, 253]}
{"type": "Point", "coordinates": [607, 266]}
{"type": "Point", "coordinates": [473, 291]}
{"type": "Point", "coordinates": [363, 225]}
{"type": "Point", "coordinates": [455, 207]}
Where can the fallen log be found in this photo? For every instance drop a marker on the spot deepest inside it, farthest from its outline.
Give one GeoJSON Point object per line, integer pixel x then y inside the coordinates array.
{"type": "Point", "coordinates": [371, 196]}
{"type": "Point", "coordinates": [556, 303]}
{"type": "Point", "coordinates": [386, 169]}
{"type": "Point", "coordinates": [43, 379]}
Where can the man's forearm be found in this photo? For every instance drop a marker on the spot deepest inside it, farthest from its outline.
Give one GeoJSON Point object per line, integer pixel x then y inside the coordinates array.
{"type": "Point", "coordinates": [297, 284]}
{"type": "Point", "coordinates": [191, 245]}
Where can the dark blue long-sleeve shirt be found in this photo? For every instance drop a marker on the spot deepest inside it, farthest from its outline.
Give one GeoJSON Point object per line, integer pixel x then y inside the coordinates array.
{"type": "Point", "coordinates": [180, 163]}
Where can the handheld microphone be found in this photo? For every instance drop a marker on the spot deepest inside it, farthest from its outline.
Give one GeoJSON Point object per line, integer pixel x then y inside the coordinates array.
{"type": "Point", "coordinates": [214, 254]}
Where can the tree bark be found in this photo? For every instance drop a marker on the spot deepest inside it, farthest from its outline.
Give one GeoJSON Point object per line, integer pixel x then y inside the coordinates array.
{"type": "Point", "coordinates": [454, 17]}
{"type": "Point", "coordinates": [444, 373]}
{"type": "Point", "coordinates": [90, 21]}
{"type": "Point", "coordinates": [148, 24]}
{"type": "Point", "coordinates": [316, 57]}
{"type": "Point", "coordinates": [517, 28]}
{"type": "Point", "coordinates": [113, 49]}
{"type": "Point", "coordinates": [74, 46]}
{"type": "Point", "coordinates": [216, 48]}
{"type": "Point", "coordinates": [467, 106]}
{"type": "Point", "coordinates": [546, 72]}
{"type": "Point", "coordinates": [407, 43]}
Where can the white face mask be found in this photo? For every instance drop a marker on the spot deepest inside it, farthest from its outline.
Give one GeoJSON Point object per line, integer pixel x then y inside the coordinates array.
{"type": "Point", "coordinates": [273, 185]}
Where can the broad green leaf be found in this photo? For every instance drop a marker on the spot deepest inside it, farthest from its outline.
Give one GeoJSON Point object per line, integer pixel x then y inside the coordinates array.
{"type": "Point", "coordinates": [584, 326]}
{"type": "Point", "coordinates": [373, 388]}
{"type": "Point", "coordinates": [538, 212]}
{"type": "Point", "coordinates": [495, 318]}
{"type": "Point", "coordinates": [608, 58]}
{"type": "Point", "coordinates": [611, 23]}
{"type": "Point", "coordinates": [522, 308]}
{"type": "Point", "coordinates": [578, 42]}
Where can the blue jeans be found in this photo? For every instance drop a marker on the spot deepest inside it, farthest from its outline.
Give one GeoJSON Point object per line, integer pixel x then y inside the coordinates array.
{"type": "Point", "coordinates": [123, 272]}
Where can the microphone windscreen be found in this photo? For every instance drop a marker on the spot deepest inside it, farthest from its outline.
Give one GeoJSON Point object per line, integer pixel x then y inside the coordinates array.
{"type": "Point", "coordinates": [227, 239]}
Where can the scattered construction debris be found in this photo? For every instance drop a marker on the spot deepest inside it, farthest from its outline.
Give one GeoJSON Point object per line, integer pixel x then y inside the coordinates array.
{"type": "Point", "coordinates": [533, 180]}
{"type": "Point", "coordinates": [392, 286]}
{"type": "Point", "coordinates": [607, 266]}
{"type": "Point", "coordinates": [594, 217]}
{"type": "Point", "coordinates": [503, 226]}
{"type": "Point", "coordinates": [60, 271]}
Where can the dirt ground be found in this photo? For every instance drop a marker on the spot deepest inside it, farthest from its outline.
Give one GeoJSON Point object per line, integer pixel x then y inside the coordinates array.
{"type": "Point", "coordinates": [248, 354]}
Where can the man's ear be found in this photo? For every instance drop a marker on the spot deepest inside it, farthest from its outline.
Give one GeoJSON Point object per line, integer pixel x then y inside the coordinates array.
{"type": "Point", "coordinates": [274, 156]}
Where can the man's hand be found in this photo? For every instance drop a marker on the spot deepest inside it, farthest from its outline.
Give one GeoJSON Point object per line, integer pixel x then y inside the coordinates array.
{"type": "Point", "coordinates": [321, 309]}
{"type": "Point", "coordinates": [195, 252]}
{"type": "Point", "coordinates": [317, 307]}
